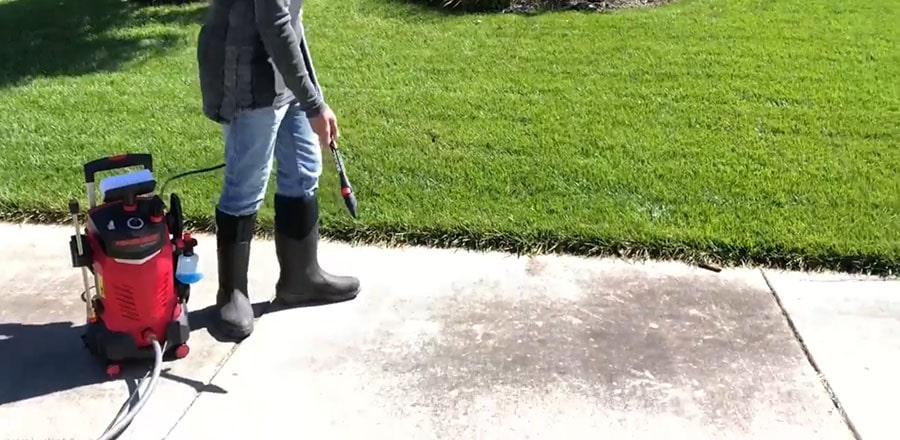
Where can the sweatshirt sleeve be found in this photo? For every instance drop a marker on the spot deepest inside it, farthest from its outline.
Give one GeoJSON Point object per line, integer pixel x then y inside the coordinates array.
{"type": "Point", "coordinates": [273, 21]}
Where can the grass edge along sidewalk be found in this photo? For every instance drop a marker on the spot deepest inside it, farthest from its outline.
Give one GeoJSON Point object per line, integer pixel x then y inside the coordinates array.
{"type": "Point", "coordinates": [538, 242]}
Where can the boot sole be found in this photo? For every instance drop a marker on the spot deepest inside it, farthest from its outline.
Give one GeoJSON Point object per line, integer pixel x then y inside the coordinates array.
{"type": "Point", "coordinates": [231, 333]}
{"type": "Point", "coordinates": [301, 301]}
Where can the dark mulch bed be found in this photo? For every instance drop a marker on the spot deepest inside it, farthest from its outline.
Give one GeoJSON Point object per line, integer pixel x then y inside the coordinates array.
{"type": "Point", "coordinates": [535, 6]}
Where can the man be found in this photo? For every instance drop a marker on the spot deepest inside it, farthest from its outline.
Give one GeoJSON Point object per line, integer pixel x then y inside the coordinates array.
{"type": "Point", "coordinates": [254, 81]}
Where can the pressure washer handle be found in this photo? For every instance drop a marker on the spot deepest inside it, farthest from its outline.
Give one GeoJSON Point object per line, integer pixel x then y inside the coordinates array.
{"type": "Point", "coordinates": [115, 162]}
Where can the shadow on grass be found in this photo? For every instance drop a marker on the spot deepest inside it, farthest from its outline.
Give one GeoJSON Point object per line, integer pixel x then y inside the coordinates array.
{"type": "Point", "coordinates": [77, 37]}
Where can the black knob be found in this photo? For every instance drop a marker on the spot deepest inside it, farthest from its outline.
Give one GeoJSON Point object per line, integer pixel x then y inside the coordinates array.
{"type": "Point", "coordinates": [159, 208]}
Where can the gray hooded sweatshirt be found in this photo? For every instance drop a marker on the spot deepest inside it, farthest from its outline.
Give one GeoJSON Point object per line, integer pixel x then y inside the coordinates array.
{"type": "Point", "coordinates": [249, 57]}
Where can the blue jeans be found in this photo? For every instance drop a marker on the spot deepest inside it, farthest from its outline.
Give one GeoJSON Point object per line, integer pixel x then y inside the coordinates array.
{"type": "Point", "coordinates": [252, 140]}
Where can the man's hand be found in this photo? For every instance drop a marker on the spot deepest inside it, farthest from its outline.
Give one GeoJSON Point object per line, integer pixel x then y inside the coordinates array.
{"type": "Point", "coordinates": [325, 126]}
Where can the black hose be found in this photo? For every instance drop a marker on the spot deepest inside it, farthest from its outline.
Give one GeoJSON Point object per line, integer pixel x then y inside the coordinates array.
{"type": "Point", "coordinates": [162, 190]}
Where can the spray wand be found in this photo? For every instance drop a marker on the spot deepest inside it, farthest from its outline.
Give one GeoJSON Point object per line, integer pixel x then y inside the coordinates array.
{"type": "Point", "coordinates": [346, 189]}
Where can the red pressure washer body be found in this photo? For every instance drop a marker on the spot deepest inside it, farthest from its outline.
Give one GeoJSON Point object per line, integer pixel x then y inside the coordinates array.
{"type": "Point", "coordinates": [131, 248]}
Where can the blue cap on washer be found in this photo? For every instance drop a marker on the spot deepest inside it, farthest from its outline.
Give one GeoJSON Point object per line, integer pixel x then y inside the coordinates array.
{"type": "Point", "coordinates": [122, 180]}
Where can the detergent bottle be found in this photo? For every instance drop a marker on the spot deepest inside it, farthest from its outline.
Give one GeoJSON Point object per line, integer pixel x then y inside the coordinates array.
{"type": "Point", "coordinates": [187, 271]}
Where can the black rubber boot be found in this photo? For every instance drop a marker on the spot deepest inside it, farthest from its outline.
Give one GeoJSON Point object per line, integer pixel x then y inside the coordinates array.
{"type": "Point", "coordinates": [234, 317]}
{"type": "Point", "coordinates": [302, 281]}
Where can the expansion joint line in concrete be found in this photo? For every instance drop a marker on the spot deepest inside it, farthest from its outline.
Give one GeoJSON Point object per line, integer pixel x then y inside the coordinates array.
{"type": "Point", "coordinates": [216, 373]}
{"type": "Point", "coordinates": [809, 357]}
{"type": "Point", "coordinates": [200, 392]}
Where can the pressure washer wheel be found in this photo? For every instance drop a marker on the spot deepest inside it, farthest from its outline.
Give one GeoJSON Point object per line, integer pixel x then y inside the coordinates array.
{"type": "Point", "coordinates": [113, 371]}
{"type": "Point", "coordinates": [182, 351]}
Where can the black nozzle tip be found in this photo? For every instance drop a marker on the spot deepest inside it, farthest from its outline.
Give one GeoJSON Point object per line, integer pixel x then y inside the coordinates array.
{"type": "Point", "coordinates": [350, 201]}
{"type": "Point", "coordinates": [73, 207]}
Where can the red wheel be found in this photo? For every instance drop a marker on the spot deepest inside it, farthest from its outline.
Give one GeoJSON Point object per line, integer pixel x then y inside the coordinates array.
{"type": "Point", "coordinates": [113, 370]}
{"type": "Point", "coordinates": [182, 351]}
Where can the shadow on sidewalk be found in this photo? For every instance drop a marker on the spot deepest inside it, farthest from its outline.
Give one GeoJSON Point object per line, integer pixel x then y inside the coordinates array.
{"type": "Point", "coordinates": [205, 318]}
{"type": "Point", "coordinates": [41, 359]}
{"type": "Point", "coordinates": [36, 360]}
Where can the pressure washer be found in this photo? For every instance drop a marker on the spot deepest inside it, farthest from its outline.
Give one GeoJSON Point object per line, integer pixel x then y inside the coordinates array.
{"type": "Point", "coordinates": [142, 263]}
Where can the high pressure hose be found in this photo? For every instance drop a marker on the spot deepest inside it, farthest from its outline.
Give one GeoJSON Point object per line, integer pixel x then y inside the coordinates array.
{"type": "Point", "coordinates": [117, 427]}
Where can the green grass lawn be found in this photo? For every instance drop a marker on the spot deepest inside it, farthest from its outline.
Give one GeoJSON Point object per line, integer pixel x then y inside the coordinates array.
{"type": "Point", "coordinates": [728, 131]}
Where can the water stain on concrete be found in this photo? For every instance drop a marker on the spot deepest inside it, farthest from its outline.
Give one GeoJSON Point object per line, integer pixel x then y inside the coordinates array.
{"type": "Point", "coordinates": [687, 348]}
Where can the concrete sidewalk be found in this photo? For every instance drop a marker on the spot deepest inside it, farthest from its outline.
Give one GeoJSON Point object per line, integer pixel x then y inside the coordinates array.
{"type": "Point", "coordinates": [459, 345]}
